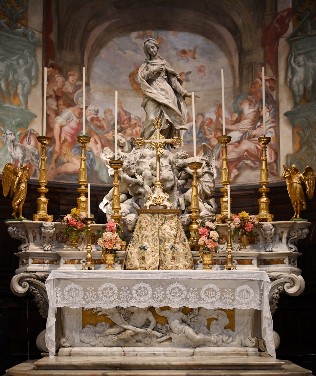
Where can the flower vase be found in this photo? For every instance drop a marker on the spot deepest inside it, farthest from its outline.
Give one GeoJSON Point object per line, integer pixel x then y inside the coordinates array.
{"type": "Point", "coordinates": [108, 259]}
{"type": "Point", "coordinates": [207, 259]}
{"type": "Point", "coordinates": [74, 239]}
{"type": "Point", "coordinates": [244, 241]}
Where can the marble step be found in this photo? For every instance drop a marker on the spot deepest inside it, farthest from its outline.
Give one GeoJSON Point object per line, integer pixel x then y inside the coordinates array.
{"type": "Point", "coordinates": [287, 369]}
{"type": "Point", "coordinates": [158, 363]}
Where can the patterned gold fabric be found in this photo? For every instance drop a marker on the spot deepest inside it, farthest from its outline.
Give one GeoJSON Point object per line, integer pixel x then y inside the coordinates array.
{"type": "Point", "coordinates": [159, 242]}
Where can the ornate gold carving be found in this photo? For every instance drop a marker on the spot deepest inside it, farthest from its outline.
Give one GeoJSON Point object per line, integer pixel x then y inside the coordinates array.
{"type": "Point", "coordinates": [88, 264]}
{"type": "Point", "coordinates": [158, 197]}
{"type": "Point", "coordinates": [158, 211]}
{"type": "Point", "coordinates": [82, 201]}
{"type": "Point", "coordinates": [116, 164]}
{"type": "Point", "coordinates": [229, 257]}
{"type": "Point", "coordinates": [42, 201]}
{"type": "Point", "coordinates": [195, 208]}
{"type": "Point", "coordinates": [224, 140]}
{"type": "Point", "coordinates": [264, 202]}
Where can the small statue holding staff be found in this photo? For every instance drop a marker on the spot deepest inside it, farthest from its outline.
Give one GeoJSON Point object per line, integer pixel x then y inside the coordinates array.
{"type": "Point", "coordinates": [14, 181]}
{"type": "Point", "coordinates": [296, 183]}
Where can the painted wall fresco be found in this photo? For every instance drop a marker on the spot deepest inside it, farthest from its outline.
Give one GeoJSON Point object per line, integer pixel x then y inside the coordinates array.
{"type": "Point", "coordinates": [198, 62]}
{"type": "Point", "coordinates": [301, 79]}
{"type": "Point", "coordinates": [19, 74]}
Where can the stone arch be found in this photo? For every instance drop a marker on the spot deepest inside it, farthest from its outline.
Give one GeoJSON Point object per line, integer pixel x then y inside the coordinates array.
{"type": "Point", "coordinates": [87, 26]}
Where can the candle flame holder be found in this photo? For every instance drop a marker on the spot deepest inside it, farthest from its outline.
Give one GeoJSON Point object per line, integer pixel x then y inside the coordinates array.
{"type": "Point", "coordinates": [116, 164]}
{"type": "Point", "coordinates": [229, 257]}
{"type": "Point", "coordinates": [264, 202]}
{"type": "Point", "coordinates": [195, 209]}
{"type": "Point", "coordinates": [42, 201]}
{"type": "Point", "coordinates": [220, 218]}
{"type": "Point", "coordinates": [82, 201]}
{"type": "Point", "coordinates": [88, 264]}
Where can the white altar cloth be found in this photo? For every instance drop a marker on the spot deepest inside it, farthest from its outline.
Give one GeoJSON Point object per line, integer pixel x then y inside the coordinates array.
{"type": "Point", "coordinates": [145, 288]}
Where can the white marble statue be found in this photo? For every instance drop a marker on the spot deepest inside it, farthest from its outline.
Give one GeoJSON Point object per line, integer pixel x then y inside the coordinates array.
{"type": "Point", "coordinates": [138, 175]}
{"type": "Point", "coordinates": [163, 93]}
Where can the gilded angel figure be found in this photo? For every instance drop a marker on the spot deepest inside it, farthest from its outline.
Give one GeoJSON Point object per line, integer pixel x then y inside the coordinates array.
{"type": "Point", "coordinates": [297, 183]}
{"type": "Point", "coordinates": [14, 181]}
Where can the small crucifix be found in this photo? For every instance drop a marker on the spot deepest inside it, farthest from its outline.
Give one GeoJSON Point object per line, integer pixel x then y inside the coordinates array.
{"type": "Point", "coordinates": [158, 197]}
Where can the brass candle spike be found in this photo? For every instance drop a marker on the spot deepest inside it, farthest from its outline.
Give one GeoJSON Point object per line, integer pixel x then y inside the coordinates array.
{"type": "Point", "coordinates": [116, 164]}
{"type": "Point", "coordinates": [224, 140]}
{"type": "Point", "coordinates": [264, 202]}
{"type": "Point", "coordinates": [195, 209]}
{"type": "Point", "coordinates": [42, 201]}
{"type": "Point", "coordinates": [82, 201]}
{"type": "Point", "coordinates": [229, 257]}
{"type": "Point", "coordinates": [88, 264]}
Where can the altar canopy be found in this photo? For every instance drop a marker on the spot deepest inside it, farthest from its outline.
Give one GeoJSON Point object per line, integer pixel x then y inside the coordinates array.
{"type": "Point", "coordinates": [158, 288]}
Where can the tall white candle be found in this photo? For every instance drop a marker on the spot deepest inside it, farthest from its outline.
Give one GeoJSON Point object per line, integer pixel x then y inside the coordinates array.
{"type": "Point", "coordinates": [84, 100]}
{"type": "Point", "coordinates": [228, 203]}
{"type": "Point", "coordinates": [193, 125]}
{"type": "Point", "coordinates": [44, 102]}
{"type": "Point", "coordinates": [263, 81]}
{"type": "Point", "coordinates": [115, 125]}
{"type": "Point", "coordinates": [223, 100]}
{"type": "Point", "coordinates": [89, 207]}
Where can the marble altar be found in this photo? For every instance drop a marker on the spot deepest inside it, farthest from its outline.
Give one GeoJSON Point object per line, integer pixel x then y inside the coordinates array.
{"type": "Point", "coordinates": [208, 292]}
{"type": "Point", "coordinates": [242, 338]}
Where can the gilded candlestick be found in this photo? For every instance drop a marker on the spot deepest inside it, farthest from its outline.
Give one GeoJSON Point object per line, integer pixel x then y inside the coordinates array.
{"type": "Point", "coordinates": [264, 202]}
{"type": "Point", "coordinates": [229, 257]}
{"type": "Point", "coordinates": [88, 264]}
{"type": "Point", "coordinates": [116, 164]}
{"type": "Point", "coordinates": [42, 201]}
{"type": "Point", "coordinates": [224, 140]}
{"type": "Point", "coordinates": [82, 201]}
{"type": "Point", "coordinates": [195, 209]}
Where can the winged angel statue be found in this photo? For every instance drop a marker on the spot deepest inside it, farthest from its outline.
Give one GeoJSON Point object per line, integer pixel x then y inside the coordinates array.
{"type": "Point", "coordinates": [296, 183]}
{"type": "Point", "coordinates": [14, 181]}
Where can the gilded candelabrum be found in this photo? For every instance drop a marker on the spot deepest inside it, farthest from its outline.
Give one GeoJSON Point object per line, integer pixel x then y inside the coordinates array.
{"type": "Point", "coordinates": [264, 202]}
{"type": "Point", "coordinates": [195, 209]}
{"type": "Point", "coordinates": [88, 264]}
{"type": "Point", "coordinates": [229, 257]}
{"type": "Point", "coordinates": [82, 201]}
{"type": "Point", "coordinates": [42, 201]}
{"type": "Point", "coordinates": [116, 164]}
{"type": "Point", "coordinates": [224, 140]}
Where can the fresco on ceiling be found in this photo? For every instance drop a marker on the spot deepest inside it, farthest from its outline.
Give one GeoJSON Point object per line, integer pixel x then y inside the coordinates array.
{"type": "Point", "coordinates": [198, 62]}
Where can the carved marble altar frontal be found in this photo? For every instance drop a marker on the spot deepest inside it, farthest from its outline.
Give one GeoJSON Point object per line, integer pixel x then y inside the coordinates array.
{"type": "Point", "coordinates": [158, 288]}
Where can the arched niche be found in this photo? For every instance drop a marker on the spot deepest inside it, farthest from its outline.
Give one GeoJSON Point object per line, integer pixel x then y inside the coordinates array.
{"type": "Point", "coordinates": [85, 27]}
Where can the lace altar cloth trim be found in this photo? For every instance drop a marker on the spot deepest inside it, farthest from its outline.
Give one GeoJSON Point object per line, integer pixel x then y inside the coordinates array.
{"type": "Point", "coordinates": [157, 288]}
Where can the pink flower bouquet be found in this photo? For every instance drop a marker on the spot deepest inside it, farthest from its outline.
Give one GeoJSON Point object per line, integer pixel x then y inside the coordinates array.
{"type": "Point", "coordinates": [110, 240]}
{"type": "Point", "coordinates": [209, 236]}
